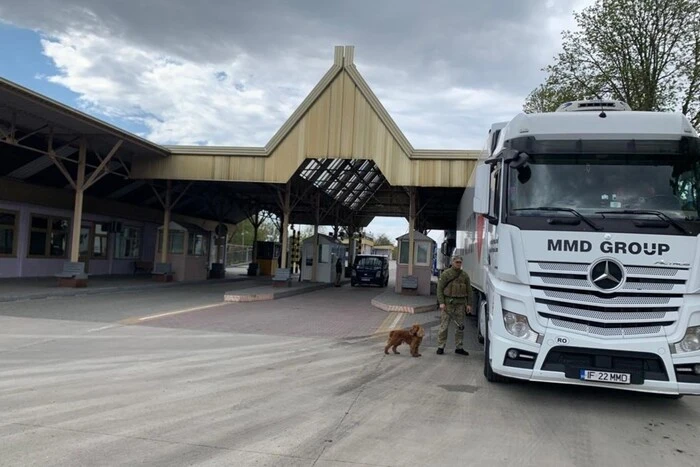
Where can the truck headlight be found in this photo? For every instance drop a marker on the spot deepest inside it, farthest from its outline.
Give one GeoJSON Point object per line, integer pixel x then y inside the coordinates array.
{"type": "Point", "coordinates": [690, 342]}
{"type": "Point", "coordinates": [518, 326]}
{"type": "Point", "coordinates": [353, 273]}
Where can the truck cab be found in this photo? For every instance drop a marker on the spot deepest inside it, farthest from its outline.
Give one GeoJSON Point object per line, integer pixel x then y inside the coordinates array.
{"type": "Point", "coordinates": [580, 232]}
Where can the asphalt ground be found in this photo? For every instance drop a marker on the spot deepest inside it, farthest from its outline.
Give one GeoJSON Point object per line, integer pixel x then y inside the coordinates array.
{"type": "Point", "coordinates": [176, 377]}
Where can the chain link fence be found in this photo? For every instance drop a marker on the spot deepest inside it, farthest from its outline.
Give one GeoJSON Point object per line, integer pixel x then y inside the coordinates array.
{"type": "Point", "coordinates": [238, 255]}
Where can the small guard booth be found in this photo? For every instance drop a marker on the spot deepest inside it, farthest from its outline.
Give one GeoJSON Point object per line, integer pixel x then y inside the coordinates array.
{"type": "Point", "coordinates": [423, 249]}
{"type": "Point", "coordinates": [329, 250]}
{"type": "Point", "coordinates": [267, 255]}
{"type": "Point", "coordinates": [188, 251]}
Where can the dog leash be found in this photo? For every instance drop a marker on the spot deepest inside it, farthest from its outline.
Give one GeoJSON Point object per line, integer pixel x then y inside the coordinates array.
{"type": "Point", "coordinates": [452, 317]}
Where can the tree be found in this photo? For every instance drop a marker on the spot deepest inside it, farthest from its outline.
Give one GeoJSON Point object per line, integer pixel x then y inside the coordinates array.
{"type": "Point", "coordinates": [383, 239]}
{"type": "Point", "coordinates": [643, 52]}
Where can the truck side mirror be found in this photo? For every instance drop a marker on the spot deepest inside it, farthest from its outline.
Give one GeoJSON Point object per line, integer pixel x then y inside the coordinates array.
{"type": "Point", "coordinates": [481, 189]}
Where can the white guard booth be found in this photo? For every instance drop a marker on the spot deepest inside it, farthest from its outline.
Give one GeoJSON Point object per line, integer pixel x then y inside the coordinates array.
{"type": "Point", "coordinates": [188, 251]}
{"type": "Point", "coordinates": [329, 250]}
{"type": "Point", "coordinates": [423, 250]}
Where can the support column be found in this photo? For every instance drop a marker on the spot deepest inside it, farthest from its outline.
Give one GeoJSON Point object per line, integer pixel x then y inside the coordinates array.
{"type": "Point", "coordinates": [78, 208]}
{"type": "Point", "coordinates": [317, 215]}
{"type": "Point", "coordinates": [286, 214]}
{"type": "Point", "coordinates": [166, 224]}
{"type": "Point", "coordinates": [411, 229]}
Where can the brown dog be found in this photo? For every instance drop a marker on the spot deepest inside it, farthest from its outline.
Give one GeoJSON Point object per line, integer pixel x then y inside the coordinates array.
{"type": "Point", "coordinates": [412, 337]}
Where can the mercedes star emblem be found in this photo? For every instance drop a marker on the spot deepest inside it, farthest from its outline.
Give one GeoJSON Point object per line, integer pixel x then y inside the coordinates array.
{"type": "Point", "coordinates": [607, 275]}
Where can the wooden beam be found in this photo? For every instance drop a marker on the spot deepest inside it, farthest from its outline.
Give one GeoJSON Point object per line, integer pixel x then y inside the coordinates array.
{"type": "Point", "coordinates": [286, 212]}
{"type": "Point", "coordinates": [411, 228]}
{"type": "Point", "coordinates": [103, 164]}
{"type": "Point", "coordinates": [160, 200]}
{"type": "Point", "coordinates": [166, 225]}
{"type": "Point", "coordinates": [181, 195]}
{"type": "Point", "coordinates": [32, 133]}
{"type": "Point", "coordinates": [78, 208]}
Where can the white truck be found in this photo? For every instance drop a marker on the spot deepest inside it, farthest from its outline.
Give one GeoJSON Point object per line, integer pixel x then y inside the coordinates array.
{"type": "Point", "coordinates": [579, 230]}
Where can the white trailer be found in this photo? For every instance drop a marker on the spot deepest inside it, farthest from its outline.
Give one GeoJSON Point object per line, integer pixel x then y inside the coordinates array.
{"type": "Point", "coordinates": [580, 233]}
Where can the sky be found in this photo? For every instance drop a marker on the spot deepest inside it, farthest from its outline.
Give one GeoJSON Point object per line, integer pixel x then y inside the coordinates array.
{"type": "Point", "coordinates": [230, 72]}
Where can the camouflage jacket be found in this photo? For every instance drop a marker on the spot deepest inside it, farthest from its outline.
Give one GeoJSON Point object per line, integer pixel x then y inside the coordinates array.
{"type": "Point", "coordinates": [454, 283]}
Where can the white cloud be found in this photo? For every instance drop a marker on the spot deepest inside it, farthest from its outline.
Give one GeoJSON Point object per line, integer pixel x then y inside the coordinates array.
{"type": "Point", "coordinates": [231, 73]}
{"type": "Point", "coordinates": [178, 101]}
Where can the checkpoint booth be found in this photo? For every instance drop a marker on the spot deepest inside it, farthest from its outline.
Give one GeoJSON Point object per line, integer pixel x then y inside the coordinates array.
{"type": "Point", "coordinates": [267, 257]}
{"type": "Point", "coordinates": [329, 250]}
{"type": "Point", "coordinates": [188, 251]}
{"type": "Point", "coordinates": [422, 259]}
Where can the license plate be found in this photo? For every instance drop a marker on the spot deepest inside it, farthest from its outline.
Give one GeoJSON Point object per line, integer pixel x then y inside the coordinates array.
{"type": "Point", "coordinates": [366, 279]}
{"type": "Point", "coordinates": [605, 376]}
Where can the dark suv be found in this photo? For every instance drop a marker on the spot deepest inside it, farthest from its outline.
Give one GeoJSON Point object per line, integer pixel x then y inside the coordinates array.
{"type": "Point", "coordinates": [370, 269]}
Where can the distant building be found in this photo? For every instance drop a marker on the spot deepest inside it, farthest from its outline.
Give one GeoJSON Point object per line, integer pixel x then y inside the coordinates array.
{"type": "Point", "coordinates": [387, 250]}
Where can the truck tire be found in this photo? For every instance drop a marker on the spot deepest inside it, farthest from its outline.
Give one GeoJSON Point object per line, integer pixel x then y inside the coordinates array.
{"type": "Point", "coordinates": [490, 375]}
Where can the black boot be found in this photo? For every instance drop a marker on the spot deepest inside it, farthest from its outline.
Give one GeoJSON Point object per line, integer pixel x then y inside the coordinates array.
{"type": "Point", "coordinates": [440, 351]}
{"type": "Point", "coordinates": [461, 352]}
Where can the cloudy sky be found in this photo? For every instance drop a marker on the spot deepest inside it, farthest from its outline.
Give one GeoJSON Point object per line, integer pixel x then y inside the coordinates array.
{"type": "Point", "coordinates": [229, 72]}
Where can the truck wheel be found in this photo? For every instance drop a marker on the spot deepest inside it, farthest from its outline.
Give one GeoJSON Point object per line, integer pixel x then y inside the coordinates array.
{"type": "Point", "coordinates": [491, 377]}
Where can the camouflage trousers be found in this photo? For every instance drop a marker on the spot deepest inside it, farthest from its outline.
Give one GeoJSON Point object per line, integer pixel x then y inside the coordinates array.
{"type": "Point", "coordinates": [457, 311]}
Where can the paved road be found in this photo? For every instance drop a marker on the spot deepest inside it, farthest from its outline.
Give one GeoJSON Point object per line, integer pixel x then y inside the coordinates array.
{"type": "Point", "coordinates": [298, 382]}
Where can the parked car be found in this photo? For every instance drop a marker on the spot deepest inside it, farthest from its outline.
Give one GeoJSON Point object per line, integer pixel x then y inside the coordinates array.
{"type": "Point", "coordinates": [370, 269]}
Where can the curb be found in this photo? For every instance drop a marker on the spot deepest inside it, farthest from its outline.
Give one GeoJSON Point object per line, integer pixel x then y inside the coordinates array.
{"type": "Point", "coordinates": [403, 308]}
{"type": "Point", "coordinates": [64, 293]}
{"type": "Point", "coordinates": [239, 296]}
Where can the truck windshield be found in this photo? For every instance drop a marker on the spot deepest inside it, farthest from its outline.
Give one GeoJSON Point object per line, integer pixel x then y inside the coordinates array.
{"type": "Point", "coordinates": [595, 183]}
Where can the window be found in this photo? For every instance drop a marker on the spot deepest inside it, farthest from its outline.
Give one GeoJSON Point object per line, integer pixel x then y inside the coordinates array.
{"type": "Point", "coordinates": [404, 252]}
{"type": "Point", "coordinates": [128, 243]}
{"type": "Point", "coordinates": [422, 253]}
{"type": "Point", "coordinates": [8, 232]}
{"type": "Point", "coordinates": [370, 264]}
{"type": "Point", "coordinates": [100, 241]}
{"type": "Point", "coordinates": [324, 253]}
{"type": "Point", "coordinates": [495, 195]}
{"type": "Point", "coordinates": [48, 237]}
{"type": "Point", "coordinates": [198, 245]}
{"type": "Point", "coordinates": [176, 241]}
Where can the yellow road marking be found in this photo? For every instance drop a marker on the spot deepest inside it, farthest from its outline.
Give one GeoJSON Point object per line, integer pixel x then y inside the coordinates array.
{"type": "Point", "coordinates": [392, 321]}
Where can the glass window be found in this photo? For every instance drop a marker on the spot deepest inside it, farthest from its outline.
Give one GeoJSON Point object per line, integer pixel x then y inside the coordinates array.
{"type": "Point", "coordinates": [128, 243]}
{"type": "Point", "coordinates": [37, 243]}
{"type": "Point", "coordinates": [198, 245]}
{"type": "Point", "coordinates": [422, 253]}
{"type": "Point", "coordinates": [100, 241]}
{"type": "Point", "coordinates": [48, 237]}
{"type": "Point", "coordinates": [324, 253]}
{"type": "Point", "coordinates": [610, 176]}
{"type": "Point", "coordinates": [8, 226]}
{"type": "Point", "coordinates": [177, 242]}
{"type": "Point", "coordinates": [495, 195]}
{"type": "Point", "coordinates": [369, 263]}
{"type": "Point", "coordinates": [404, 252]}
{"type": "Point", "coordinates": [39, 222]}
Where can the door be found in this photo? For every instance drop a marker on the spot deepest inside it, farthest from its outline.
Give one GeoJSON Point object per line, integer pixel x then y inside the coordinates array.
{"type": "Point", "coordinates": [85, 245]}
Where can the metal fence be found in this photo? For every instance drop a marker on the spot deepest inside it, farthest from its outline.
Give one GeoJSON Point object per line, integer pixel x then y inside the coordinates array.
{"type": "Point", "coordinates": [238, 255]}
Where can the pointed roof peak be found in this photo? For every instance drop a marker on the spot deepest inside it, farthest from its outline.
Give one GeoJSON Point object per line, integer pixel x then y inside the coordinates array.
{"type": "Point", "coordinates": [344, 55]}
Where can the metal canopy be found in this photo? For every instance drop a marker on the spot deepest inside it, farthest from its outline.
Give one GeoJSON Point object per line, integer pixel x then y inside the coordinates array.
{"type": "Point", "coordinates": [349, 182]}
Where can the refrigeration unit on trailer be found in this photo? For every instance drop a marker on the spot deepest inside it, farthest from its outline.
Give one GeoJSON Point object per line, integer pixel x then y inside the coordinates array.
{"type": "Point", "coordinates": [579, 230]}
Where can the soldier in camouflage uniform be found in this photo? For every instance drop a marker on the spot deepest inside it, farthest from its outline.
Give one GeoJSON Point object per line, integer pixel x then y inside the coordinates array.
{"type": "Point", "coordinates": [454, 293]}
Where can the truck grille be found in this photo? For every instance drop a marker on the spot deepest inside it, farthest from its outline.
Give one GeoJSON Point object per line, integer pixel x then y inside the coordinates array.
{"type": "Point", "coordinates": [649, 299]}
